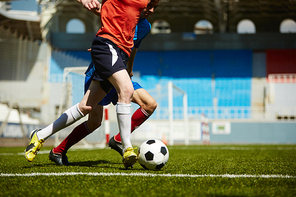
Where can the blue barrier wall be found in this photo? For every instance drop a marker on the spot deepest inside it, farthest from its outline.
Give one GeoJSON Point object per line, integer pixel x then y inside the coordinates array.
{"type": "Point", "coordinates": [184, 64]}
{"type": "Point", "coordinates": [195, 64]}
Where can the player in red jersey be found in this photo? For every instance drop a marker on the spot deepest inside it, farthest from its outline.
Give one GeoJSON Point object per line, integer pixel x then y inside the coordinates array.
{"type": "Point", "coordinates": [110, 51]}
{"type": "Point", "coordinates": [141, 97]}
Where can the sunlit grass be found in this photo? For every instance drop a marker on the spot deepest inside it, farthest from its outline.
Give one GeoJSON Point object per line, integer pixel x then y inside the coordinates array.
{"type": "Point", "coordinates": [193, 160]}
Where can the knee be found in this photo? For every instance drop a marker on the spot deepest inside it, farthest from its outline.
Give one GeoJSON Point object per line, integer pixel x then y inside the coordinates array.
{"type": "Point", "coordinates": [129, 92]}
{"type": "Point", "coordinates": [150, 107]}
{"type": "Point", "coordinates": [126, 95]}
{"type": "Point", "coordinates": [84, 108]}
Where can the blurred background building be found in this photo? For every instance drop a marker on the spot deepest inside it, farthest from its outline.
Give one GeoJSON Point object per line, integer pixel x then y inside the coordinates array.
{"type": "Point", "coordinates": [234, 59]}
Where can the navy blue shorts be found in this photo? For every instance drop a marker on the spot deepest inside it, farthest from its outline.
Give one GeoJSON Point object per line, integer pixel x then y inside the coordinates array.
{"type": "Point", "coordinates": [107, 59]}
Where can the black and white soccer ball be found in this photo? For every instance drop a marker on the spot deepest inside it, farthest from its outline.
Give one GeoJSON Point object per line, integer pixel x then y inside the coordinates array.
{"type": "Point", "coordinates": [153, 155]}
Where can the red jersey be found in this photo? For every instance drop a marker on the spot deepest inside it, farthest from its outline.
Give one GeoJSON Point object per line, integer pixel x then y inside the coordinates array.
{"type": "Point", "coordinates": [119, 19]}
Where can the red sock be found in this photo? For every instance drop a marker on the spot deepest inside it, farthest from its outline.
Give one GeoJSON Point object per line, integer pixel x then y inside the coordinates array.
{"type": "Point", "coordinates": [139, 116]}
{"type": "Point", "coordinates": [75, 136]}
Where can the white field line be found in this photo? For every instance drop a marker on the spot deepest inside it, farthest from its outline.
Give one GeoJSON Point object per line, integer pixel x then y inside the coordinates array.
{"type": "Point", "coordinates": [150, 175]}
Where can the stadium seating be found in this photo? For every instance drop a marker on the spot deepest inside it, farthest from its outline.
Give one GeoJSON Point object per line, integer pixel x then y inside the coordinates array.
{"type": "Point", "coordinates": [202, 74]}
{"type": "Point", "coordinates": [61, 60]}
{"type": "Point", "coordinates": [224, 75]}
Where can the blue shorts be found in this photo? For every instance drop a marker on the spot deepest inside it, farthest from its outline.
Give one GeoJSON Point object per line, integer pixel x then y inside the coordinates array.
{"type": "Point", "coordinates": [112, 95]}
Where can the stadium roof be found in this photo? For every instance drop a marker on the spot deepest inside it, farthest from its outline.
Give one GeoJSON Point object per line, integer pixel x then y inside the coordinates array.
{"type": "Point", "coordinates": [251, 8]}
{"type": "Point", "coordinates": [212, 8]}
{"type": "Point", "coordinates": [23, 23]}
{"type": "Point", "coordinates": [217, 11]}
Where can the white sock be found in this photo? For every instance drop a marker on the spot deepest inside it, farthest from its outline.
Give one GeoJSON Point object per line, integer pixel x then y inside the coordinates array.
{"type": "Point", "coordinates": [124, 123]}
{"type": "Point", "coordinates": [70, 116]}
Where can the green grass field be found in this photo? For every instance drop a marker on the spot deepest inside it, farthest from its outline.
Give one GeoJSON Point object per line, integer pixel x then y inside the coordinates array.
{"type": "Point", "coordinates": [215, 170]}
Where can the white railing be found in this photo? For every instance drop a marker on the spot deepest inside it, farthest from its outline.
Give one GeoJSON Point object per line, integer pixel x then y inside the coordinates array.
{"type": "Point", "coordinates": [282, 78]}
{"type": "Point", "coordinates": [230, 113]}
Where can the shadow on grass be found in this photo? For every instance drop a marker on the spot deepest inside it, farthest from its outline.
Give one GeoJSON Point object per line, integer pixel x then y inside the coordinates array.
{"type": "Point", "coordinates": [97, 163]}
{"type": "Point", "coordinates": [82, 163]}
{"type": "Point", "coordinates": [91, 163]}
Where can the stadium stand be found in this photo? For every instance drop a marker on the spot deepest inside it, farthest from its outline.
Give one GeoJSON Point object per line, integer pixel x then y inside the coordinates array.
{"type": "Point", "coordinates": [61, 60]}
{"type": "Point", "coordinates": [227, 75]}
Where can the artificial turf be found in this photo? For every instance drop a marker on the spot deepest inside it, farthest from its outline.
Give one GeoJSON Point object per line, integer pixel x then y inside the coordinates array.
{"type": "Point", "coordinates": [106, 175]}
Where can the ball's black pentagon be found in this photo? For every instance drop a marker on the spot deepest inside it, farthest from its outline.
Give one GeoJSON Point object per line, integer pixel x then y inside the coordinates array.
{"type": "Point", "coordinates": [163, 150]}
{"type": "Point", "coordinates": [150, 142]}
{"type": "Point", "coordinates": [159, 166]}
{"type": "Point", "coordinates": [149, 156]}
{"type": "Point", "coordinates": [139, 150]}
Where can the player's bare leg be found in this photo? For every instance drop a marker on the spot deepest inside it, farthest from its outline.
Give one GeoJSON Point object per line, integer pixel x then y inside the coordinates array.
{"type": "Point", "coordinates": [144, 100]}
{"type": "Point", "coordinates": [123, 85]}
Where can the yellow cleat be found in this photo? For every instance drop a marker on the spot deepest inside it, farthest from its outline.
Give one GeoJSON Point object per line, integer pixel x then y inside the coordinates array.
{"type": "Point", "coordinates": [34, 146]}
{"type": "Point", "coordinates": [129, 157]}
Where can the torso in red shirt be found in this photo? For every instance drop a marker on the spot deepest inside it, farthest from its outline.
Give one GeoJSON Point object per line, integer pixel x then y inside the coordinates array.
{"type": "Point", "coordinates": [119, 19]}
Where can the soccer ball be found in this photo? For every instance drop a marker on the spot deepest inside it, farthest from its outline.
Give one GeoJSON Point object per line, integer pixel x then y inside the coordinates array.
{"type": "Point", "coordinates": [153, 155]}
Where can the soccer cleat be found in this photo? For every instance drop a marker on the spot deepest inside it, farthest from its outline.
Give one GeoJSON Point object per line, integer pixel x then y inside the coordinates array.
{"type": "Point", "coordinates": [34, 146]}
{"type": "Point", "coordinates": [129, 157]}
{"type": "Point", "coordinates": [115, 145]}
{"type": "Point", "coordinates": [59, 158]}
